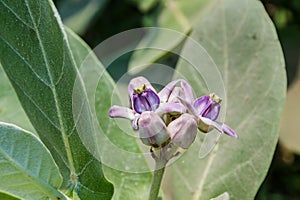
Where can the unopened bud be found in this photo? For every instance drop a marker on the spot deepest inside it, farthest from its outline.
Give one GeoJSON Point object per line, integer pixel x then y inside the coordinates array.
{"type": "Point", "coordinates": [183, 130]}
{"type": "Point", "coordinates": [152, 129]}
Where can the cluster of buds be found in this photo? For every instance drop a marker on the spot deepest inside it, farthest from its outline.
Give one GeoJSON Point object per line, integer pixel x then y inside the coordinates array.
{"type": "Point", "coordinates": [171, 115]}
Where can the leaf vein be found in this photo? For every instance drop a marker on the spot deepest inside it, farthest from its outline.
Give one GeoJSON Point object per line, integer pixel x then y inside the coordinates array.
{"type": "Point", "coordinates": [59, 114]}
{"type": "Point", "coordinates": [16, 15]}
{"type": "Point", "coordinates": [26, 62]}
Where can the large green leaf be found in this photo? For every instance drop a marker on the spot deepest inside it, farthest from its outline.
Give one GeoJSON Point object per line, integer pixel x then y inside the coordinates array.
{"type": "Point", "coordinates": [27, 169]}
{"type": "Point", "coordinates": [242, 41]}
{"type": "Point", "coordinates": [144, 6]}
{"type": "Point", "coordinates": [7, 197]}
{"type": "Point", "coordinates": [10, 107]}
{"type": "Point", "coordinates": [127, 185]}
{"type": "Point", "coordinates": [172, 14]}
{"type": "Point", "coordinates": [78, 15]}
{"type": "Point", "coordinates": [36, 57]}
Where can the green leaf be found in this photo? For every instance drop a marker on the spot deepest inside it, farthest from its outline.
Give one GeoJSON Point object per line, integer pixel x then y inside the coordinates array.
{"type": "Point", "coordinates": [176, 15]}
{"type": "Point", "coordinates": [127, 185]}
{"type": "Point", "coordinates": [27, 169]}
{"type": "Point", "coordinates": [224, 196]}
{"type": "Point", "coordinates": [37, 60]}
{"type": "Point", "coordinates": [10, 108]}
{"type": "Point", "coordinates": [145, 6]}
{"type": "Point", "coordinates": [7, 197]}
{"type": "Point", "coordinates": [78, 15]}
{"type": "Point", "coordinates": [242, 41]}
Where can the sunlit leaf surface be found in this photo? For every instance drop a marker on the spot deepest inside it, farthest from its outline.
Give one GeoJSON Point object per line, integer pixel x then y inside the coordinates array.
{"type": "Point", "coordinates": [241, 40]}
{"type": "Point", "coordinates": [36, 57]}
{"type": "Point", "coordinates": [27, 169]}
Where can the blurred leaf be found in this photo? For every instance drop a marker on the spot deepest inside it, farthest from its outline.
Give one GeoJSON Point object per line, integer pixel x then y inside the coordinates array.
{"type": "Point", "coordinates": [174, 14]}
{"type": "Point", "coordinates": [27, 169]}
{"type": "Point", "coordinates": [127, 185]}
{"type": "Point", "coordinates": [10, 108]}
{"type": "Point", "coordinates": [296, 4]}
{"type": "Point", "coordinates": [282, 17]}
{"type": "Point", "coordinates": [7, 197]}
{"type": "Point", "coordinates": [289, 129]}
{"type": "Point", "coordinates": [242, 41]}
{"type": "Point", "coordinates": [145, 5]}
{"type": "Point", "coordinates": [78, 14]}
{"type": "Point", "coordinates": [37, 60]}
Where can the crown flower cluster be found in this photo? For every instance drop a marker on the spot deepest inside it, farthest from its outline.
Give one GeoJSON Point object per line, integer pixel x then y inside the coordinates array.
{"type": "Point", "coordinates": [171, 115]}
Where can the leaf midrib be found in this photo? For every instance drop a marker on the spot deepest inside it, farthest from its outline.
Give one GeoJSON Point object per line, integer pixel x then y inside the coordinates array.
{"type": "Point", "coordinates": [53, 89]}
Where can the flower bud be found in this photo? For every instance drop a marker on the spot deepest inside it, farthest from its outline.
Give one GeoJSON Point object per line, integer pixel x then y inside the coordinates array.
{"type": "Point", "coordinates": [152, 129]}
{"type": "Point", "coordinates": [183, 130]}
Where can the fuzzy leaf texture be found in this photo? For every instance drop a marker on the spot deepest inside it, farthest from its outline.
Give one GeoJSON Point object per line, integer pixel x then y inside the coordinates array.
{"type": "Point", "coordinates": [242, 42]}
{"type": "Point", "coordinates": [27, 169]}
{"type": "Point", "coordinates": [37, 59]}
{"type": "Point", "coordinates": [134, 186]}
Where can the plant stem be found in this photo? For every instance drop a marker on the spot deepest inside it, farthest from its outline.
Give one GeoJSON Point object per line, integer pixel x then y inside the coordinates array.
{"type": "Point", "coordinates": [156, 180]}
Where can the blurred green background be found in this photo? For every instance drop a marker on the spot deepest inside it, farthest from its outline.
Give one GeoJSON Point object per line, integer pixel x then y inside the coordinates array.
{"type": "Point", "coordinates": [97, 20]}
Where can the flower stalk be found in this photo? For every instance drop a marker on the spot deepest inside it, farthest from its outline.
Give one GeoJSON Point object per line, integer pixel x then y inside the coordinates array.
{"type": "Point", "coordinates": [156, 180]}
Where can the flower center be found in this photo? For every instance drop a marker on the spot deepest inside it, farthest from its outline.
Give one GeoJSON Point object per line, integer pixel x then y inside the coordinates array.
{"type": "Point", "coordinates": [140, 89]}
{"type": "Point", "coordinates": [215, 98]}
{"type": "Point", "coordinates": [144, 99]}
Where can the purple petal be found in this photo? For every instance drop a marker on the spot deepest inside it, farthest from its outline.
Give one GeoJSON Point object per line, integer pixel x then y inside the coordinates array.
{"type": "Point", "coordinates": [222, 128]}
{"type": "Point", "coordinates": [170, 107]}
{"type": "Point", "coordinates": [183, 130]}
{"type": "Point", "coordinates": [227, 130]}
{"type": "Point", "coordinates": [201, 103]}
{"type": "Point", "coordinates": [139, 104]}
{"type": "Point", "coordinates": [166, 91]}
{"type": "Point", "coordinates": [135, 121]}
{"type": "Point", "coordinates": [206, 125]}
{"type": "Point", "coordinates": [188, 91]}
{"type": "Point", "coordinates": [137, 82]}
{"type": "Point", "coordinates": [206, 107]}
{"type": "Point", "coordinates": [212, 112]}
{"type": "Point", "coordinates": [152, 99]}
{"type": "Point", "coordinates": [189, 106]}
{"type": "Point", "coordinates": [176, 92]}
{"type": "Point", "coordinates": [147, 101]}
{"type": "Point", "coordinates": [152, 129]}
{"type": "Point", "coordinates": [122, 112]}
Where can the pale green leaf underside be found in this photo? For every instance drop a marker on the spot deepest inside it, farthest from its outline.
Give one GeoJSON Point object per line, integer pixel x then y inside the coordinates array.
{"type": "Point", "coordinates": [10, 107]}
{"type": "Point", "coordinates": [38, 62]}
{"type": "Point", "coordinates": [241, 39]}
{"type": "Point", "coordinates": [127, 185]}
{"type": "Point", "coordinates": [27, 169]}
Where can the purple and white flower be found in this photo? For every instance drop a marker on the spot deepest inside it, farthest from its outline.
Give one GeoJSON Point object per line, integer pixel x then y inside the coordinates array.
{"type": "Point", "coordinates": [154, 132]}
{"type": "Point", "coordinates": [173, 114]}
{"type": "Point", "coordinates": [143, 97]}
{"type": "Point", "coordinates": [206, 109]}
